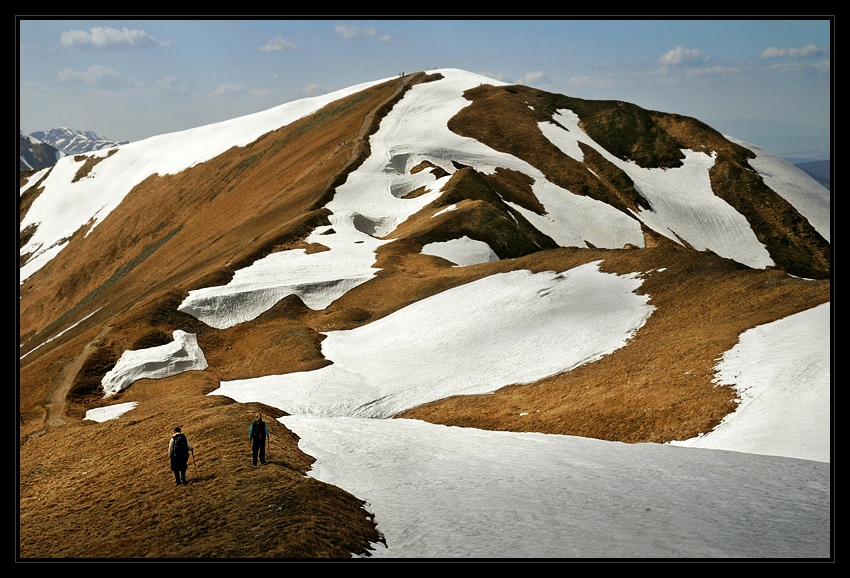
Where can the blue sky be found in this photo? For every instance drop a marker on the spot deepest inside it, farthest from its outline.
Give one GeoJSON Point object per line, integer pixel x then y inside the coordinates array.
{"type": "Point", "coordinates": [767, 82]}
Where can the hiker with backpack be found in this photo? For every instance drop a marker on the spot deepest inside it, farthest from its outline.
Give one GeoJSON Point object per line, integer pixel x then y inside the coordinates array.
{"type": "Point", "coordinates": [178, 451]}
{"type": "Point", "coordinates": [258, 434]}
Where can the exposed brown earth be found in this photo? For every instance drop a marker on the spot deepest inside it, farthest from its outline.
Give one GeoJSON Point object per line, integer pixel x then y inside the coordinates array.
{"type": "Point", "coordinates": [104, 490]}
{"type": "Point", "coordinates": [659, 387]}
{"type": "Point", "coordinates": [506, 120]}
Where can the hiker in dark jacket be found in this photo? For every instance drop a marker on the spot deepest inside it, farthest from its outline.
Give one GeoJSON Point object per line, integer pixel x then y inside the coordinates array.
{"type": "Point", "coordinates": [178, 452]}
{"type": "Point", "coordinates": [258, 434]}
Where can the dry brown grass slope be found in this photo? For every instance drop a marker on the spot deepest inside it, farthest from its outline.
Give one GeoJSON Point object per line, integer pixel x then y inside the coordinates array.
{"type": "Point", "coordinates": [103, 490]}
{"type": "Point", "coordinates": [506, 119]}
{"type": "Point", "coordinates": [659, 387]}
{"type": "Point", "coordinates": [172, 234]}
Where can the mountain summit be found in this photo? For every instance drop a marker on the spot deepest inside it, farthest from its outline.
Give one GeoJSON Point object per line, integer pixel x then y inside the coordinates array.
{"type": "Point", "coordinates": [72, 141]}
{"type": "Point", "coordinates": [42, 149]}
{"type": "Point", "coordinates": [296, 261]}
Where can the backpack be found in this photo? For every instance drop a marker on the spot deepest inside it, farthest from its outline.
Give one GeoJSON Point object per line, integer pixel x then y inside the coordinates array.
{"type": "Point", "coordinates": [180, 447]}
{"type": "Point", "coordinates": [258, 430]}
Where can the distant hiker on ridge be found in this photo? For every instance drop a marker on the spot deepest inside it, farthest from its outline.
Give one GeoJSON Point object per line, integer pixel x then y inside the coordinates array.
{"type": "Point", "coordinates": [258, 434]}
{"type": "Point", "coordinates": [178, 451]}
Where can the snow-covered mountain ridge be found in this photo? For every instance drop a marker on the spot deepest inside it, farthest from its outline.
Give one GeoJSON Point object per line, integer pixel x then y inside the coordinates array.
{"type": "Point", "coordinates": [337, 256]}
{"type": "Point", "coordinates": [665, 152]}
{"type": "Point", "coordinates": [43, 148]}
{"type": "Point", "coordinates": [74, 141]}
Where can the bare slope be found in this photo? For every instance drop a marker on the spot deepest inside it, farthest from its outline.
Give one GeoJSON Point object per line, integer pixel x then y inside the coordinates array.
{"type": "Point", "coordinates": [104, 490]}
{"type": "Point", "coordinates": [506, 119]}
{"type": "Point", "coordinates": [172, 234]}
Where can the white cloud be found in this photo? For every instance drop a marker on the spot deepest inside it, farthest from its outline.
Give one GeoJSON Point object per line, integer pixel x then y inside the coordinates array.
{"type": "Point", "coordinates": [680, 55]}
{"type": "Point", "coordinates": [228, 88]}
{"type": "Point", "coordinates": [526, 78]}
{"type": "Point", "coordinates": [594, 82]}
{"type": "Point", "coordinates": [352, 32]}
{"type": "Point", "coordinates": [102, 37]}
{"type": "Point", "coordinates": [797, 66]}
{"type": "Point", "coordinates": [500, 76]}
{"type": "Point", "coordinates": [101, 78]}
{"type": "Point", "coordinates": [277, 44]}
{"type": "Point", "coordinates": [260, 92]}
{"type": "Point", "coordinates": [809, 50]}
{"type": "Point", "coordinates": [315, 88]}
{"type": "Point", "coordinates": [96, 75]}
{"type": "Point", "coordinates": [170, 85]}
{"type": "Point", "coordinates": [822, 66]}
{"type": "Point", "coordinates": [712, 70]}
{"type": "Point", "coordinates": [32, 87]}
{"type": "Point", "coordinates": [536, 76]}
{"type": "Point", "coordinates": [37, 48]}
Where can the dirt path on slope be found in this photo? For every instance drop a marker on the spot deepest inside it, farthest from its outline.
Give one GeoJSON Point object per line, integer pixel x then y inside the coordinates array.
{"type": "Point", "coordinates": [359, 146]}
{"type": "Point", "coordinates": [57, 402]}
{"type": "Point", "coordinates": [57, 399]}
{"type": "Point", "coordinates": [367, 128]}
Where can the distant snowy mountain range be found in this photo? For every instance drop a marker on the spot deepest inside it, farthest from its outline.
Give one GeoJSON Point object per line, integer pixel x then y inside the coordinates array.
{"type": "Point", "coordinates": [42, 149]}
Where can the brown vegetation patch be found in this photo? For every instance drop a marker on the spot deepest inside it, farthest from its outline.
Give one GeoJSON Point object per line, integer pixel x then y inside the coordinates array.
{"type": "Point", "coordinates": [87, 383]}
{"type": "Point", "coordinates": [154, 338]}
{"type": "Point", "coordinates": [698, 136]}
{"type": "Point", "coordinates": [438, 172]}
{"type": "Point", "coordinates": [104, 490]}
{"type": "Point", "coordinates": [29, 196]}
{"type": "Point", "coordinates": [89, 162]}
{"type": "Point", "coordinates": [254, 208]}
{"type": "Point", "coordinates": [659, 387]}
{"type": "Point", "coordinates": [415, 193]}
{"type": "Point", "coordinates": [24, 238]}
{"type": "Point", "coordinates": [789, 238]}
{"type": "Point", "coordinates": [310, 248]}
{"type": "Point", "coordinates": [281, 340]}
{"type": "Point", "coordinates": [481, 213]}
{"type": "Point", "coordinates": [515, 187]}
{"type": "Point", "coordinates": [507, 118]}
{"type": "Point", "coordinates": [25, 176]}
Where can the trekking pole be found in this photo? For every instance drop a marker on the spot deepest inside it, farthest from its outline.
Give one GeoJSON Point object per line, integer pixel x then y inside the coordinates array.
{"type": "Point", "coordinates": [269, 446]}
{"type": "Point", "coordinates": [196, 465]}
